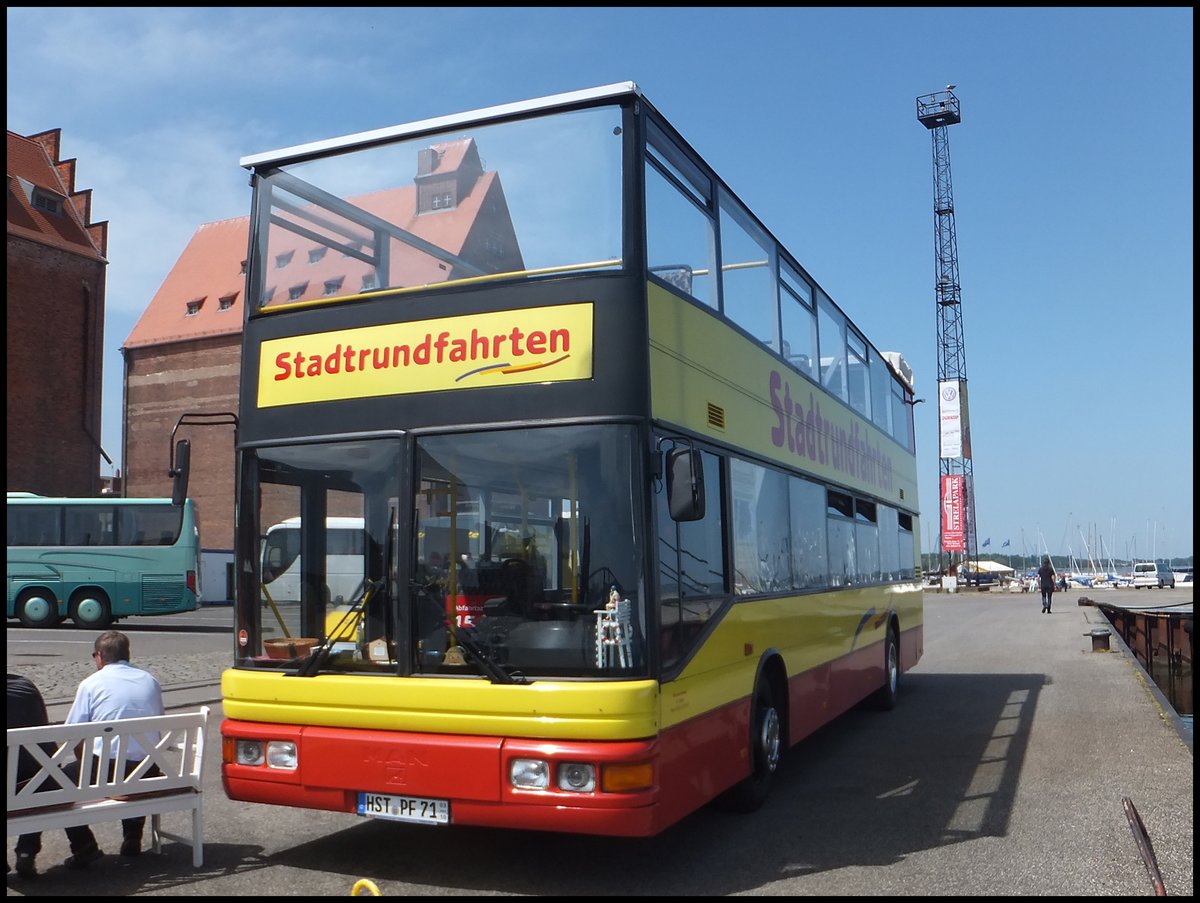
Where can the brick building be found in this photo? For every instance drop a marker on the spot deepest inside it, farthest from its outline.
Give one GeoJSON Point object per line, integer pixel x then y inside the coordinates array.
{"type": "Point", "coordinates": [184, 357]}
{"type": "Point", "coordinates": [56, 282]}
{"type": "Point", "coordinates": [184, 354]}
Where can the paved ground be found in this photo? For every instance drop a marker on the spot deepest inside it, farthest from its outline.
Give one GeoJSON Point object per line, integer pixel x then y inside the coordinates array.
{"type": "Point", "coordinates": [1003, 771]}
{"type": "Point", "coordinates": [58, 679]}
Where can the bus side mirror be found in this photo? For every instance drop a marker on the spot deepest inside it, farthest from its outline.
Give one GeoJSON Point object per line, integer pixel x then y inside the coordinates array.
{"type": "Point", "coordinates": [179, 471]}
{"type": "Point", "coordinates": [685, 483]}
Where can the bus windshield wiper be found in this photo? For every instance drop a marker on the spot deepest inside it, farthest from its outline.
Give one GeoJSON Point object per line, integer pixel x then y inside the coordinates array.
{"type": "Point", "coordinates": [466, 640]}
{"type": "Point", "coordinates": [316, 659]}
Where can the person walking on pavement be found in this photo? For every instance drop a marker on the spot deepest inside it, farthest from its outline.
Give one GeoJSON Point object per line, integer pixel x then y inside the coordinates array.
{"type": "Point", "coordinates": [27, 708]}
{"type": "Point", "coordinates": [117, 690]}
{"type": "Point", "coordinates": [1046, 578]}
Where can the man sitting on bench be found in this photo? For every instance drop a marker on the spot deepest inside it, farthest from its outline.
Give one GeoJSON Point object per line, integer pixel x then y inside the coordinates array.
{"type": "Point", "coordinates": [117, 690]}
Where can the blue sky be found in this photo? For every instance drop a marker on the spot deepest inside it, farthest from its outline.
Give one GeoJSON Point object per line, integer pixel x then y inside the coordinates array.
{"type": "Point", "coordinates": [1072, 177]}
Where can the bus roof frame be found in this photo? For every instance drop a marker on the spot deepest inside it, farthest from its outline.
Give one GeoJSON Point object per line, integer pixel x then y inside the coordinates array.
{"type": "Point", "coordinates": [486, 114]}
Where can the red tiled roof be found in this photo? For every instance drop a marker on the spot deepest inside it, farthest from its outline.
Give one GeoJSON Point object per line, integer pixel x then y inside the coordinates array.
{"type": "Point", "coordinates": [29, 165]}
{"type": "Point", "coordinates": [209, 269]}
{"type": "Point", "coordinates": [452, 153]}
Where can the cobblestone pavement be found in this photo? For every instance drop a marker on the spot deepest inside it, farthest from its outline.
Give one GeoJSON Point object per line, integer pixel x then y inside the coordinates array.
{"type": "Point", "coordinates": [58, 680]}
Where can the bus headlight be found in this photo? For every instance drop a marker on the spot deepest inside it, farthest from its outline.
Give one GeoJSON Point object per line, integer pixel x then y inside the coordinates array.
{"type": "Point", "coordinates": [281, 754]}
{"type": "Point", "coordinates": [577, 777]}
{"type": "Point", "coordinates": [529, 774]}
{"type": "Point", "coordinates": [249, 752]}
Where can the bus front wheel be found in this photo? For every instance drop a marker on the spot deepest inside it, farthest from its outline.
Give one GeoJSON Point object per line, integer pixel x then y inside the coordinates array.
{"type": "Point", "coordinates": [91, 610]}
{"type": "Point", "coordinates": [766, 748]}
{"type": "Point", "coordinates": [37, 608]}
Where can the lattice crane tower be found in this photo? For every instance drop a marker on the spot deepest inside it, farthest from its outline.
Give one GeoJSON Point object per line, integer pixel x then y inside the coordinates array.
{"type": "Point", "coordinates": [957, 537]}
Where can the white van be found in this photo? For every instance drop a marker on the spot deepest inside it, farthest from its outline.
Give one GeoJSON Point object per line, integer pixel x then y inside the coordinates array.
{"type": "Point", "coordinates": [1152, 574]}
{"type": "Point", "coordinates": [344, 559]}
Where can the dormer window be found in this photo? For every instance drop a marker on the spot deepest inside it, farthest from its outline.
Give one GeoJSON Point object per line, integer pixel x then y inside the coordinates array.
{"type": "Point", "coordinates": [193, 307]}
{"type": "Point", "coordinates": [226, 302]}
{"type": "Point", "coordinates": [333, 286]}
{"type": "Point", "coordinates": [267, 296]}
{"type": "Point", "coordinates": [316, 254]}
{"type": "Point", "coordinates": [243, 270]}
{"type": "Point", "coordinates": [442, 201]}
{"type": "Point", "coordinates": [44, 200]}
{"type": "Point", "coordinates": [282, 260]}
{"type": "Point", "coordinates": [296, 292]}
{"type": "Point", "coordinates": [370, 281]}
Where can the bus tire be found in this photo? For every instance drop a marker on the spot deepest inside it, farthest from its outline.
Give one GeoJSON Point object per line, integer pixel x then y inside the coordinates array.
{"type": "Point", "coordinates": [90, 609]}
{"type": "Point", "coordinates": [766, 749]}
{"type": "Point", "coordinates": [884, 699]}
{"type": "Point", "coordinates": [37, 608]}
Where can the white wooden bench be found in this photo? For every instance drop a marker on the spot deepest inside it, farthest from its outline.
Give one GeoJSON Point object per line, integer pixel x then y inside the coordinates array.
{"type": "Point", "coordinates": [51, 799]}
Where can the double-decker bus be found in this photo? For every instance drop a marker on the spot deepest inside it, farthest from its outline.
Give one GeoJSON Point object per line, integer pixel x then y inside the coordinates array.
{"type": "Point", "coordinates": [638, 499]}
{"type": "Point", "coordinates": [97, 560]}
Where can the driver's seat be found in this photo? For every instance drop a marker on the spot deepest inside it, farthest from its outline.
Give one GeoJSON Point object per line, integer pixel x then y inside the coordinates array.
{"type": "Point", "coordinates": [520, 585]}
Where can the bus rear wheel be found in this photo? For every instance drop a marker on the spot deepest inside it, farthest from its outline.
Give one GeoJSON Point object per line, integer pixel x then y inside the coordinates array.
{"type": "Point", "coordinates": [37, 608]}
{"type": "Point", "coordinates": [884, 699]}
{"type": "Point", "coordinates": [766, 749]}
{"type": "Point", "coordinates": [90, 609]}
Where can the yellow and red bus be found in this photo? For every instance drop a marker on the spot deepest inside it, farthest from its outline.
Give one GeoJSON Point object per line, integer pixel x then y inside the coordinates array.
{"type": "Point", "coordinates": [638, 499]}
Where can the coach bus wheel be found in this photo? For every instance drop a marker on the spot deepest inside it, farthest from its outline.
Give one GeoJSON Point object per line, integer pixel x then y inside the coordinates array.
{"type": "Point", "coordinates": [766, 748]}
{"type": "Point", "coordinates": [37, 608]}
{"type": "Point", "coordinates": [884, 699]}
{"type": "Point", "coordinates": [91, 610]}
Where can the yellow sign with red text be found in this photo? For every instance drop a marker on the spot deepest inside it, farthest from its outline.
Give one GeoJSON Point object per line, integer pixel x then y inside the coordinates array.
{"type": "Point", "coordinates": [512, 347]}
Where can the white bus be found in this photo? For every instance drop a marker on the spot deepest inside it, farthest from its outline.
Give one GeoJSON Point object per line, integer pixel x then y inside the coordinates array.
{"type": "Point", "coordinates": [281, 562]}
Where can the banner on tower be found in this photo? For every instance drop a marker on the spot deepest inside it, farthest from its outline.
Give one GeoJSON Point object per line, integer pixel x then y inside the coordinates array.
{"type": "Point", "coordinates": [953, 514]}
{"type": "Point", "coordinates": [954, 426]}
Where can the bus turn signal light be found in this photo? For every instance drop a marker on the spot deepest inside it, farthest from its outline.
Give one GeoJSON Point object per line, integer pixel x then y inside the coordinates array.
{"type": "Point", "coordinates": [625, 778]}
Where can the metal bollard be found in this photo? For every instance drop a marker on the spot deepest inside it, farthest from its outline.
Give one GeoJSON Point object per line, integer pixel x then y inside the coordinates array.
{"type": "Point", "coordinates": [1100, 637]}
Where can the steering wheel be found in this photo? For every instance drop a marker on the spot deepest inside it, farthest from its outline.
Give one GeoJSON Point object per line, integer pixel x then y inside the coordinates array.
{"type": "Point", "coordinates": [514, 565]}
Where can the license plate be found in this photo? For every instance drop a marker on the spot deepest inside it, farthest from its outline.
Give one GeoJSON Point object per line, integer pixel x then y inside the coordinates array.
{"type": "Point", "coordinates": [404, 808]}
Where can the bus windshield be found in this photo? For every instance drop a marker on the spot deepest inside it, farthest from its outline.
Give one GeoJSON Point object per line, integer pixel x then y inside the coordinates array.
{"type": "Point", "coordinates": [519, 198]}
{"type": "Point", "coordinates": [522, 557]}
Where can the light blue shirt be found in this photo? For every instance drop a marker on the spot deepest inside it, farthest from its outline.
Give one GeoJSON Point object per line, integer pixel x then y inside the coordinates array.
{"type": "Point", "coordinates": [118, 690]}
